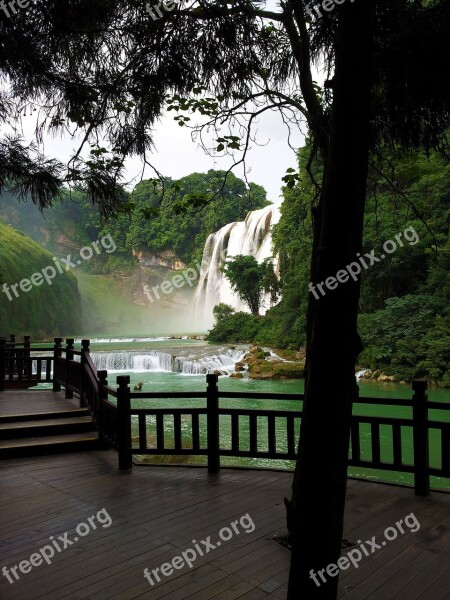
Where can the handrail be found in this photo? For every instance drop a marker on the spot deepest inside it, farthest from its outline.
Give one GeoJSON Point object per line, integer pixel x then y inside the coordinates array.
{"type": "Point", "coordinates": [110, 391]}
{"type": "Point", "coordinates": [115, 420]}
{"type": "Point", "coordinates": [89, 365]}
{"type": "Point", "coordinates": [158, 395]}
{"type": "Point", "coordinates": [262, 396]}
{"type": "Point", "coordinates": [433, 404]}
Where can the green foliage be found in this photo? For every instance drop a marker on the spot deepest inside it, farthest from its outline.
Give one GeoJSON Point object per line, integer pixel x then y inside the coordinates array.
{"type": "Point", "coordinates": [251, 280]}
{"type": "Point", "coordinates": [434, 352]}
{"type": "Point", "coordinates": [405, 299]}
{"type": "Point", "coordinates": [231, 326]}
{"type": "Point", "coordinates": [242, 328]}
{"type": "Point", "coordinates": [222, 312]}
{"type": "Point", "coordinates": [177, 218]}
{"type": "Point", "coordinates": [408, 339]}
{"type": "Point", "coordinates": [180, 217]}
{"type": "Point", "coordinates": [45, 310]}
{"type": "Point", "coordinates": [70, 223]}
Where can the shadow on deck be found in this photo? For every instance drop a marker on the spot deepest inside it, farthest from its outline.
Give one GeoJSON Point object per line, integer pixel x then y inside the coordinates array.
{"type": "Point", "coordinates": [156, 512]}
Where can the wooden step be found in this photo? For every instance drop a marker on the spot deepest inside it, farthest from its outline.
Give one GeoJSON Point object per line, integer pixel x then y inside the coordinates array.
{"type": "Point", "coordinates": [34, 446]}
{"type": "Point", "coordinates": [46, 427]}
{"type": "Point", "coordinates": [57, 414]}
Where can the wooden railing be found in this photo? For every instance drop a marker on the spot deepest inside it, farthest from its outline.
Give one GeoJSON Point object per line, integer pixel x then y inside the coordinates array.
{"type": "Point", "coordinates": [79, 376]}
{"type": "Point", "coordinates": [278, 438]}
{"type": "Point", "coordinates": [20, 370]}
{"type": "Point", "coordinates": [377, 442]}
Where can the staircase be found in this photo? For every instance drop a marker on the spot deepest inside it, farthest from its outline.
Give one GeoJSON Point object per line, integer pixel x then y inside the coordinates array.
{"type": "Point", "coordinates": [51, 432]}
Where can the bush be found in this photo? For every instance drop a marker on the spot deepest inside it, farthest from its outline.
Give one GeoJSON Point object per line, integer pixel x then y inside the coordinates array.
{"type": "Point", "coordinates": [407, 338]}
{"type": "Point", "coordinates": [234, 327]}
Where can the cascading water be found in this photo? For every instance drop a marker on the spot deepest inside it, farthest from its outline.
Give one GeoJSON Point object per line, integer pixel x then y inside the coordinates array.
{"type": "Point", "coordinates": [251, 237]}
{"type": "Point", "coordinates": [153, 361]}
{"type": "Point", "coordinates": [223, 360]}
{"type": "Point", "coordinates": [133, 361]}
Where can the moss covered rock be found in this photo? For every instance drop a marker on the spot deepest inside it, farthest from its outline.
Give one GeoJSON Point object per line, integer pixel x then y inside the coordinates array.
{"type": "Point", "coordinates": [264, 369]}
{"type": "Point", "coordinates": [43, 310]}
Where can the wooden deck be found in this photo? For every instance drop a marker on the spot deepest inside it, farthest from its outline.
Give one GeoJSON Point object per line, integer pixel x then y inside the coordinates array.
{"type": "Point", "coordinates": [156, 512]}
{"type": "Point", "coordinates": [16, 402]}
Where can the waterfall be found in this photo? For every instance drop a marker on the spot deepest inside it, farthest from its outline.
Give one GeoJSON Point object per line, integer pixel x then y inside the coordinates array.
{"type": "Point", "coordinates": [223, 360]}
{"type": "Point", "coordinates": [133, 361]}
{"type": "Point", "coordinates": [251, 237]}
{"type": "Point", "coordinates": [153, 361]}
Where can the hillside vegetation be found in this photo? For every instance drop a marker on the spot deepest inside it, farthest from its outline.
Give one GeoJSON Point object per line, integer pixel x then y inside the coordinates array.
{"type": "Point", "coordinates": [45, 310]}
{"type": "Point", "coordinates": [404, 318]}
{"type": "Point", "coordinates": [163, 227]}
{"type": "Point", "coordinates": [176, 217]}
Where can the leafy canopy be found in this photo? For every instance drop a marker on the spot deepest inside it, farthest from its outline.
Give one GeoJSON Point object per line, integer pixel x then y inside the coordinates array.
{"type": "Point", "coordinates": [103, 70]}
{"type": "Point", "coordinates": [251, 280]}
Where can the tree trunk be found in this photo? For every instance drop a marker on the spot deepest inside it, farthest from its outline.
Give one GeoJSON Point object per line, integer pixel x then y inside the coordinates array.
{"type": "Point", "coordinates": [315, 513]}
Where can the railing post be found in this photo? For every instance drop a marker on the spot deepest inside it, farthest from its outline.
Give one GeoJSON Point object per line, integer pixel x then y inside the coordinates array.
{"type": "Point", "coordinates": [124, 422]}
{"type": "Point", "coordinates": [2, 363]}
{"type": "Point", "coordinates": [102, 395]}
{"type": "Point", "coordinates": [212, 419]}
{"type": "Point", "coordinates": [84, 351]}
{"type": "Point", "coordinates": [27, 365]}
{"type": "Point", "coordinates": [102, 383]}
{"type": "Point", "coordinates": [69, 356]}
{"type": "Point", "coordinates": [13, 355]}
{"type": "Point", "coordinates": [420, 437]}
{"type": "Point", "coordinates": [57, 353]}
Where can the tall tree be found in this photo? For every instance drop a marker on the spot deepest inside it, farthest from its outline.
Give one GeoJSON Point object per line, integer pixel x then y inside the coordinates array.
{"type": "Point", "coordinates": [106, 68]}
{"type": "Point", "coordinates": [251, 280]}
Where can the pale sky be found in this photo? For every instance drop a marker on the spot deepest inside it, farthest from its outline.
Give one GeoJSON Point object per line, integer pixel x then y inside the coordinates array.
{"type": "Point", "coordinates": [176, 155]}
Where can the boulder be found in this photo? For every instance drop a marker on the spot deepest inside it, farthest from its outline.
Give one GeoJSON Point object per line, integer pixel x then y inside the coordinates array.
{"type": "Point", "coordinates": [386, 378]}
{"type": "Point", "coordinates": [276, 370]}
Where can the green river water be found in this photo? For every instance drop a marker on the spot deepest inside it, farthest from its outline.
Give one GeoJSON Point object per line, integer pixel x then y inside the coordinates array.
{"type": "Point", "coordinates": [155, 381]}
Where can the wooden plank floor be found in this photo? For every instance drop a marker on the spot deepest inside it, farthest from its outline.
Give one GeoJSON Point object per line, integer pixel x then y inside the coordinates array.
{"type": "Point", "coordinates": [16, 402]}
{"type": "Point", "coordinates": [157, 512]}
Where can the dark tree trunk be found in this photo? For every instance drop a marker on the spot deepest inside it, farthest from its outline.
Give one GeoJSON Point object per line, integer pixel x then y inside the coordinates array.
{"type": "Point", "coordinates": [315, 513]}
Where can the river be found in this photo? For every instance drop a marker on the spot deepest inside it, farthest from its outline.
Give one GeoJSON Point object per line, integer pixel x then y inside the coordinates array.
{"type": "Point", "coordinates": [162, 363]}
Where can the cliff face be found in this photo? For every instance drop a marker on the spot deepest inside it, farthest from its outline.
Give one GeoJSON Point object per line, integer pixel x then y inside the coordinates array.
{"type": "Point", "coordinates": [166, 259]}
{"type": "Point", "coordinates": [153, 286]}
